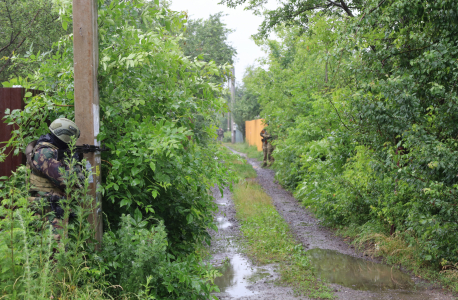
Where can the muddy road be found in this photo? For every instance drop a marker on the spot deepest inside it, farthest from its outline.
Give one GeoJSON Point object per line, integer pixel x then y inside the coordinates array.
{"type": "Point", "coordinates": [350, 273]}
{"type": "Point", "coordinates": [241, 278]}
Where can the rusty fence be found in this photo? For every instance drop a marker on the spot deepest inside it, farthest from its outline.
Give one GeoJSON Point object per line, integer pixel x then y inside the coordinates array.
{"type": "Point", "coordinates": [11, 98]}
{"type": "Point", "coordinates": [252, 132]}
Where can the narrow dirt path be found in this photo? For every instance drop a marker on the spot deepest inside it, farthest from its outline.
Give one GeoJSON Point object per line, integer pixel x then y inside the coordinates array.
{"type": "Point", "coordinates": [241, 279]}
{"type": "Point", "coordinates": [356, 276]}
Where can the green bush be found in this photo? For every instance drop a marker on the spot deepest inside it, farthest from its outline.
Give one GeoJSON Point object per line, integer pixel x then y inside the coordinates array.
{"type": "Point", "coordinates": [33, 265]}
{"type": "Point", "coordinates": [157, 108]}
{"type": "Point", "coordinates": [136, 255]}
{"type": "Point", "coordinates": [227, 137]}
{"type": "Point", "coordinates": [366, 118]}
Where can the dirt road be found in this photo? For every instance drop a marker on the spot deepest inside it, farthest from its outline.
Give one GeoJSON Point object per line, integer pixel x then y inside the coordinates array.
{"type": "Point", "coordinates": [350, 273]}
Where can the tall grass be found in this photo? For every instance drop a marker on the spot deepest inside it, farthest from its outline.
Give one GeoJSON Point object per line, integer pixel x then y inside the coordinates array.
{"type": "Point", "coordinates": [34, 265]}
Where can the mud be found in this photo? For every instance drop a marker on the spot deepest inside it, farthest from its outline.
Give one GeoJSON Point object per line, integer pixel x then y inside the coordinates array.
{"type": "Point", "coordinates": [367, 278]}
{"type": "Point", "coordinates": [241, 278]}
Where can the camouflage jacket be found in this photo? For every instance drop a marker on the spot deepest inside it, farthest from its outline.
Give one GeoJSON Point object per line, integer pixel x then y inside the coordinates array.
{"type": "Point", "coordinates": [49, 163]}
{"type": "Point", "coordinates": [266, 136]}
{"type": "Point", "coordinates": [46, 161]}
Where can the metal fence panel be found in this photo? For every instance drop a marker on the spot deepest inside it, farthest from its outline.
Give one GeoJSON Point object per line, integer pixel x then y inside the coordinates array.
{"type": "Point", "coordinates": [11, 98]}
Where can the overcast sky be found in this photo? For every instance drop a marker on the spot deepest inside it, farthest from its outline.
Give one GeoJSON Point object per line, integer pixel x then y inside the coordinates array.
{"type": "Point", "coordinates": [243, 22]}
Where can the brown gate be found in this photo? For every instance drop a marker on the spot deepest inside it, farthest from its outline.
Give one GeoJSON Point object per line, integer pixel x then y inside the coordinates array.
{"type": "Point", "coordinates": [11, 98]}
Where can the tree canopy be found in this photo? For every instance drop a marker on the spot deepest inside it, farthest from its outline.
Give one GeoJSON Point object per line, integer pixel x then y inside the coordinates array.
{"type": "Point", "coordinates": [26, 26]}
{"type": "Point", "coordinates": [208, 39]}
{"type": "Point", "coordinates": [298, 12]}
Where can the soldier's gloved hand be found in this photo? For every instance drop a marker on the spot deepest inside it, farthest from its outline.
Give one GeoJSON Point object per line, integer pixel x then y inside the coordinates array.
{"type": "Point", "coordinates": [78, 156]}
{"type": "Point", "coordinates": [54, 202]}
{"type": "Point", "coordinates": [80, 175]}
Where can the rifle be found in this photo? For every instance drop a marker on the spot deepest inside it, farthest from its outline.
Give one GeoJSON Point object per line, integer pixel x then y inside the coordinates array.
{"type": "Point", "coordinates": [78, 151]}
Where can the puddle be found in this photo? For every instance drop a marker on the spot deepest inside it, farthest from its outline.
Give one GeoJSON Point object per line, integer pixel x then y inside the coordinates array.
{"type": "Point", "coordinates": [259, 275]}
{"type": "Point", "coordinates": [357, 273]}
{"type": "Point", "coordinates": [223, 223]}
{"type": "Point", "coordinates": [236, 274]}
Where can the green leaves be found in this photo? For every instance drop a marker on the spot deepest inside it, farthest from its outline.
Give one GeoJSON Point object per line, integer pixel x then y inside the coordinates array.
{"type": "Point", "coordinates": [366, 118]}
{"type": "Point", "coordinates": [207, 40]}
{"type": "Point", "coordinates": [157, 107]}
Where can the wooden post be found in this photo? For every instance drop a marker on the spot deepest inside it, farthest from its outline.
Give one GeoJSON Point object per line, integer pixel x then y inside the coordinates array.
{"type": "Point", "coordinates": [229, 113]}
{"type": "Point", "coordinates": [85, 60]}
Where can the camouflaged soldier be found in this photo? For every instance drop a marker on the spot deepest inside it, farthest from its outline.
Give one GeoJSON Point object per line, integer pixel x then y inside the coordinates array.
{"type": "Point", "coordinates": [267, 148]}
{"type": "Point", "coordinates": [220, 133]}
{"type": "Point", "coordinates": [45, 157]}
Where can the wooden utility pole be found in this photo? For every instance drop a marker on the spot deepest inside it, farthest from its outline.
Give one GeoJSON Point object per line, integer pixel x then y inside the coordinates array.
{"type": "Point", "coordinates": [85, 61]}
{"type": "Point", "coordinates": [229, 113]}
{"type": "Point", "coordinates": [232, 105]}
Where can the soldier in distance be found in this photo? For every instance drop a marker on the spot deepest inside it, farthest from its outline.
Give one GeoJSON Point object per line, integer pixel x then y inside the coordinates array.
{"type": "Point", "coordinates": [267, 147]}
{"type": "Point", "coordinates": [220, 133]}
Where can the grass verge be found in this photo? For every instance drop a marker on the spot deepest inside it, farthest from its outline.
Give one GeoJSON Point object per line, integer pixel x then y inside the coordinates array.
{"type": "Point", "coordinates": [239, 165]}
{"type": "Point", "coordinates": [269, 240]}
{"type": "Point", "coordinates": [251, 151]}
{"type": "Point", "coordinates": [242, 169]}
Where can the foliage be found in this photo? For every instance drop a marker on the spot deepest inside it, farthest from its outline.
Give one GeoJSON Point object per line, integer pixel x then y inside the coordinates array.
{"type": "Point", "coordinates": [33, 264]}
{"type": "Point", "coordinates": [135, 252]}
{"type": "Point", "coordinates": [227, 137]}
{"type": "Point", "coordinates": [156, 111]}
{"type": "Point", "coordinates": [207, 39]}
{"type": "Point", "coordinates": [26, 26]}
{"type": "Point", "coordinates": [296, 12]}
{"type": "Point", "coordinates": [365, 113]}
{"type": "Point", "coordinates": [246, 107]}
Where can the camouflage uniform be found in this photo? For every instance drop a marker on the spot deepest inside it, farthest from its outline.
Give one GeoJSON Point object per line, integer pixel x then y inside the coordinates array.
{"type": "Point", "coordinates": [47, 182]}
{"type": "Point", "coordinates": [220, 133]}
{"type": "Point", "coordinates": [267, 148]}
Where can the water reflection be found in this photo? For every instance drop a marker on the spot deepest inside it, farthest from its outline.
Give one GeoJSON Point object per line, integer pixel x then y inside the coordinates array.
{"type": "Point", "coordinates": [357, 273]}
{"type": "Point", "coordinates": [235, 277]}
{"type": "Point", "coordinates": [223, 223]}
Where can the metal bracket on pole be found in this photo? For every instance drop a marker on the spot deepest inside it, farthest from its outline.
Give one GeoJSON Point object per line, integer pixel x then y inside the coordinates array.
{"type": "Point", "coordinates": [86, 60]}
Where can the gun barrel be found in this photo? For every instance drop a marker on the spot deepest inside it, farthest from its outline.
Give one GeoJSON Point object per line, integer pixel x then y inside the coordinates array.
{"type": "Point", "coordinates": [85, 148]}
